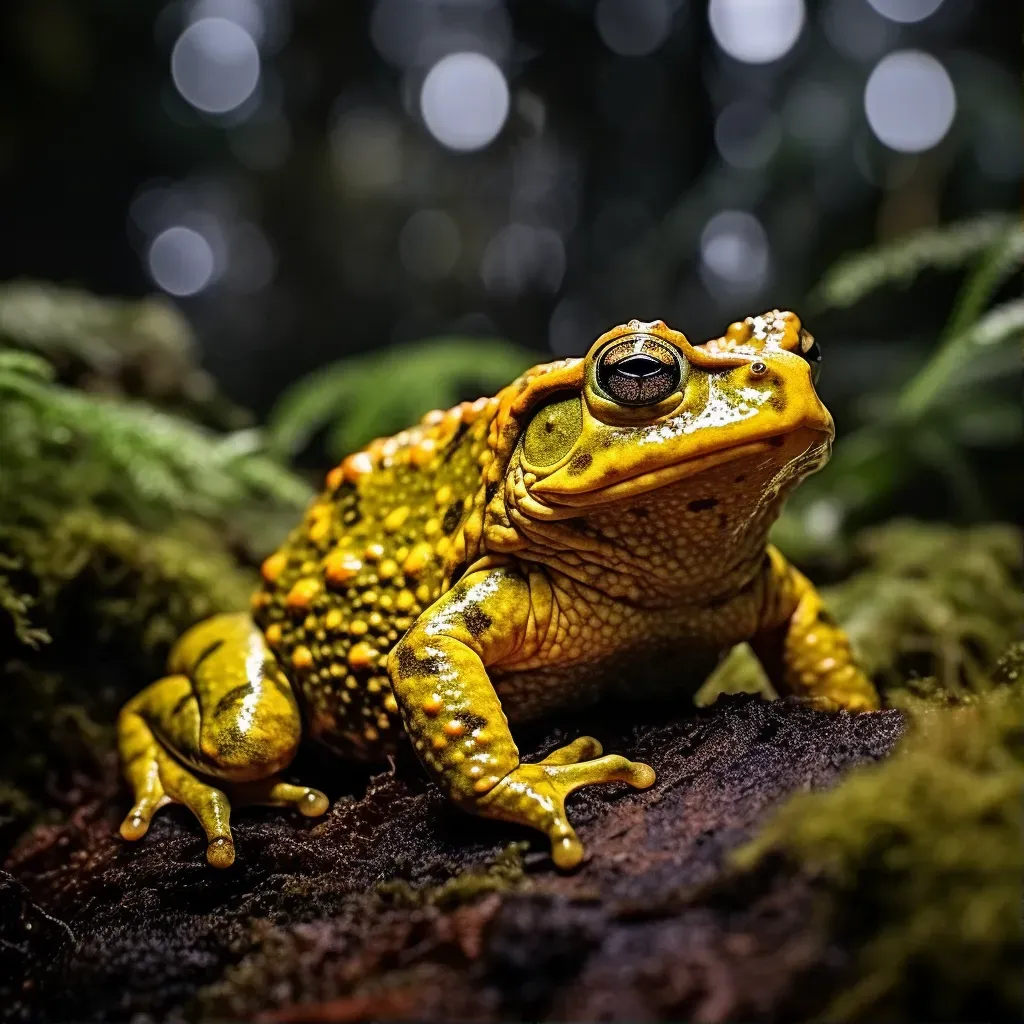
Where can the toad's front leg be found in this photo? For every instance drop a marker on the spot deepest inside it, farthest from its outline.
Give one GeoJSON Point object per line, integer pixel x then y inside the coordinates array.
{"type": "Point", "coordinates": [456, 724]}
{"type": "Point", "coordinates": [802, 648]}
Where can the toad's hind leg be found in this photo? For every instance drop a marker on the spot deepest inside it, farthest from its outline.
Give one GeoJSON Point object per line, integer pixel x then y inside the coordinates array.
{"type": "Point", "coordinates": [225, 717]}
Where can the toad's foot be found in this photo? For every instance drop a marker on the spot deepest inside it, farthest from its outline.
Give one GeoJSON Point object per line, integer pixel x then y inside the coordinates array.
{"type": "Point", "coordinates": [158, 779]}
{"type": "Point", "coordinates": [218, 730]}
{"type": "Point", "coordinates": [534, 794]}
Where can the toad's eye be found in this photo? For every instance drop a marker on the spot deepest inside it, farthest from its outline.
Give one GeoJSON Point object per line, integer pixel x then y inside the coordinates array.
{"type": "Point", "coordinates": [811, 351]}
{"type": "Point", "coordinates": [639, 371]}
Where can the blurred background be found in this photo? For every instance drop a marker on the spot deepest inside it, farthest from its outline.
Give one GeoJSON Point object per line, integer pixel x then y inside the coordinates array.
{"type": "Point", "coordinates": [311, 180]}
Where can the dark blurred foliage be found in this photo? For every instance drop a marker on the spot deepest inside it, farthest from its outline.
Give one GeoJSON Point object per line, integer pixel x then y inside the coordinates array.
{"type": "Point", "coordinates": [641, 171]}
{"type": "Point", "coordinates": [308, 186]}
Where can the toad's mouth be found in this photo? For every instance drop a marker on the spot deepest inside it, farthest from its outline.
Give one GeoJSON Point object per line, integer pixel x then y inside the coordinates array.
{"type": "Point", "coordinates": [781, 449]}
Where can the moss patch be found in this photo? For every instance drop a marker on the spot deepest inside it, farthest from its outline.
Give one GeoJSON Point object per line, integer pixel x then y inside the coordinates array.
{"type": "Point", "coordinates": [922, 860]}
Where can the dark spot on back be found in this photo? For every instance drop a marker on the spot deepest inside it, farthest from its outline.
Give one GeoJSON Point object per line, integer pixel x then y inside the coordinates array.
{"type": "Point", "coordinates": [410, 664]}
{"type": "Point", "coordinates": [452, 516]}
{"type": "Point", "coordinates": [702, 504]}
{"type": "Point", "coordinates": [580, 463]}
{"type": "Point", "coordinates": [180, 706]}
{"type": "Point", "coordinates": [234, 696]}
{"type": "Point", "coordinates": [453, 444]}
{"type": "Point", "coordinates": [473, 721]}
{"type": "Point", "coordinates": [476, 620]}
{"type": "Point", "coordinates": [209, 649]}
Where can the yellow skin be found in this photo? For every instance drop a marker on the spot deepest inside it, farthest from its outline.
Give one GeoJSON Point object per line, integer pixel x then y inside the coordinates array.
{"type": "Point", "coordinates": [539, 550]}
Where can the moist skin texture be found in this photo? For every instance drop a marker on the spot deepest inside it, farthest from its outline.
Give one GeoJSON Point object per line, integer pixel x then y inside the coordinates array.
{"type": "Point", "coordinates": [533, 552]}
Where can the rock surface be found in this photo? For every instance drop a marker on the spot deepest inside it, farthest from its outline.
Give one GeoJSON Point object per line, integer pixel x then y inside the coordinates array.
{"type": "Point", "coordinates": [396, 906]}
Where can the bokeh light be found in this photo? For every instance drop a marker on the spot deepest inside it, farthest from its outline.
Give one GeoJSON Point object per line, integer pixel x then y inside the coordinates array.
{"type": "Point", "coordinates": [429, 244]}
{"type": "Point", "coordinates": [180, 261]}
{"type": "Point", "coordinates": [520, 257]}
{"type": "Point", "coordinates": [734, 252]}
{"type": "Point", "coordinates": [215, 65]}
{"type": "Point", "coordinates": [633, 28]}
{"type": "Point", "coordinates": [817, 114]}
{"type": "Point", "coordinates": [906, 11]}
{"type": "Point", "coordinates": [747, 134]}
{"type": "Point", "coordinates": [247, 14]}
{"type": "Point", "coordinates": [465, 101]}
{"type": "Point", "coordinates": [856, 30]}
{"type": "Point", "coordinates": [366, 150]}
{"type": "Point", "coordinates": [910, 101]}
{"type": "Point", "coordinates": [756, 31]}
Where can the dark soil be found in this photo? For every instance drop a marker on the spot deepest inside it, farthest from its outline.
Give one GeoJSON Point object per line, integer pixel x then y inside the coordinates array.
{"type": "Point", "coordinates": [653, 926]}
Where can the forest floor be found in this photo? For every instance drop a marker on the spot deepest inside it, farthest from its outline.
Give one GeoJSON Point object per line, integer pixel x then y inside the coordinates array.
{"type": "Point", "coordinates": [655, 925]}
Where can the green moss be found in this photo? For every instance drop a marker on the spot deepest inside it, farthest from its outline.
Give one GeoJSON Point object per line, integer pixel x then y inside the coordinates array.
{"type": "Point", "coordinates": [502, 874]}
{"type": "Point", "coordinates": [922, 863]}
{"type": "Point", "coordinates": [142, 348]}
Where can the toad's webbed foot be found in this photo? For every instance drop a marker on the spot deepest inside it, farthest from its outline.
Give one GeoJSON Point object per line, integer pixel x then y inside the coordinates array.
{"type": "Point", "coordinates": [534, 794]}
{"type": "Point", "coordinates": [217, 731]}
{"type": "Point", "coordinates": [158, 779]}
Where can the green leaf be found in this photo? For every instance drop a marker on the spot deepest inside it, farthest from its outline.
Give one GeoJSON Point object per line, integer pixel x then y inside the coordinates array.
{"type": "Point", "coordinates": [956, 362]}
{"type": "Point", "coordinates": [358, 399]}
{"type": "Point", "coordinates": [941, 248]}
{"type": "Point", "coordinates": [25, 364]}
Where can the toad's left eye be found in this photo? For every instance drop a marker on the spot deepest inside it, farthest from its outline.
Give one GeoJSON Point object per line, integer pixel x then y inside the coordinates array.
{"type": "Point", "coordinates": [639, 371]}
{"type": "Point", "coordinates": [812, 353]}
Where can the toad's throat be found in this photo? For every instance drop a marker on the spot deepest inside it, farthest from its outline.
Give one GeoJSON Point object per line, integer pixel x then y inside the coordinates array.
{"type": "Point", "coordinates": [794, 443]}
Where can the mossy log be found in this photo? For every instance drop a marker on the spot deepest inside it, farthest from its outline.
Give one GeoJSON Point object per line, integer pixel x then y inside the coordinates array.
{"type": "Point", "coordinates": [787, 864]}
{"type": "Point", "coordinates": [397, 906]}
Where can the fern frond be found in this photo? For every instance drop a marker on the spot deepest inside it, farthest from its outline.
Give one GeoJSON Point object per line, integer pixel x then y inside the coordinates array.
{"type": "Point", "coordinates": [1004, 323]}
{"type": "Point", "coordinates": [362, 398]}
{"type": "Point", "coordinates": [999, 263]}
{"type": "Point", "coordinates": [18, 605]}
{"type": "Point", "coordinates": [125, 455]}
{"type": "Point", "coordinates": [963, 359]}
{"type": "Point", "coordinates": [941, 248]}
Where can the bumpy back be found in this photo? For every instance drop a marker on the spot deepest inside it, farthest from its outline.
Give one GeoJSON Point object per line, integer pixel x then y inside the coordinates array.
{"type": "Point", "coordinates": [396, 525]}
